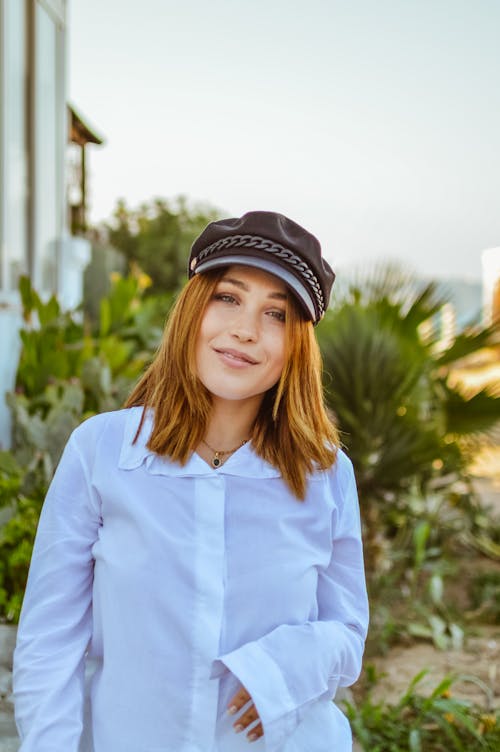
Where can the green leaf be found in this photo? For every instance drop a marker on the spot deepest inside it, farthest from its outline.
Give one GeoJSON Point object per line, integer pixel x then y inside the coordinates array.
{"type": "Point", "coordinates": [438, 629]}
{"type": "Point", "coordinates": [96, 376]}
{"type": "Point", "coordinates": [105, 317]}
{"type": "Point", "coordinates": [420, 538]}
{"type": "Point", "coordinates": [116, 352]}
{"type": "Point", "coordinates": [469, 342]}
{"type": "Point", "coordinates": [411, 686]}
{"type": "Point", "coordinates": [457, 636]}
{"type": "Point", "coordinates": [26, 292]}
{"type": "Point", "coordinates": [8, 464]}
{"type": "Point", "coordinates": [419, 630]}
{"type": "Point", "coordinates": [439, 689]}
{"type": "Point", "coordinates": [471, 415]}
{"type": "Point", "coordinates": [48, 312]}
{"type": "Point", "coordinates": [436, 589]}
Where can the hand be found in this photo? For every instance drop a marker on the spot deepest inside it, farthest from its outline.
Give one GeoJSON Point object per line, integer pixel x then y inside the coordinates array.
{"type": "Point", "coordinates": [249, 716]}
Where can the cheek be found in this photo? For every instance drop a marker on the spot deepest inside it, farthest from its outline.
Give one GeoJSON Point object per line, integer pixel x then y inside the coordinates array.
{"type": "Point", "coordinates": [279, 353]}
{"type": "Point", "coordinates": [207, 330]}
{"type": "Point", "coordinates": [204, 336]}
{"type": "Point", "coordinates": [211, 324]}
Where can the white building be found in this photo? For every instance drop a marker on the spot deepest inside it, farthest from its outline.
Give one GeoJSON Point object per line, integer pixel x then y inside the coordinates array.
{"type": "Point", "coordinates": [34, 237]}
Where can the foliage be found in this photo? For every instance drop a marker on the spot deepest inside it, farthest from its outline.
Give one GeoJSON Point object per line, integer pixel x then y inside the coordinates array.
{"type": "Point", "coordinates": [414, 562]}
{"type": "Point", "coordinates": [388, 382]}
{"type": "Point", "coordinates": [485, 596]}
{"type": "Point", "coordinates": [98, 275]}
{"type": "Point", "coordinates": [16, 535]}
{"type": "Point", "coordinates": [434, 723]}
{"type": "Point", "coordinates": [158, 237]}
{"type": "Point", "coordinates": [69, 369]}
{"type": "Point", "coordinates": [409, 429]}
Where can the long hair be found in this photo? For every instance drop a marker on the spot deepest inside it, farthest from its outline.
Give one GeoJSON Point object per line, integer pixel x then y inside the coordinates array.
{"type": "Point", "coordinates": [292, 430]}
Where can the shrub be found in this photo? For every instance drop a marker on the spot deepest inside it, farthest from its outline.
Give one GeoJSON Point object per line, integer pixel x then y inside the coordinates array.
{"type": "Point", "coordinates": [434, 723]}
{"type": "Point", "coordinates": [69, 369]}
{"type": "Point", "coordinates": [16, 535]}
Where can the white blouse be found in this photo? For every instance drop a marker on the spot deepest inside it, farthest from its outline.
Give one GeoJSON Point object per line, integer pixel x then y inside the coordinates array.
{"type": "Point", "coordinates": [179, 584]}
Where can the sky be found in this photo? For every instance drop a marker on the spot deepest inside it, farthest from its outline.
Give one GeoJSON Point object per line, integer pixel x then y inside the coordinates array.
{"type": "Point", "coordinates": [373, 123]}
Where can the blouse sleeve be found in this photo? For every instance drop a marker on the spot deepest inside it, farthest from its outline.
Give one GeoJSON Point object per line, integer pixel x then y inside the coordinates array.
{"type": "Point", "coordinates": [55, 625]}
{"type": "Point", "coordinates": [287, 669]}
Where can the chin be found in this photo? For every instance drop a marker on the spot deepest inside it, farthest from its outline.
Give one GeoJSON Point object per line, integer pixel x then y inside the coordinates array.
{"type": "Point", "coordinates": [235, 396]}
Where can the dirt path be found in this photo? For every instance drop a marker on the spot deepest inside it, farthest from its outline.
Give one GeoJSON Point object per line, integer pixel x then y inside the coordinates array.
{"type": "Point", "coordinates": [477, 665]}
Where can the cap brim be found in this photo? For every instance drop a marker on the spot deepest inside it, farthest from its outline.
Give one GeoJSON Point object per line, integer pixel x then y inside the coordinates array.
{"type": "Point", "coordinates": [300, 292]}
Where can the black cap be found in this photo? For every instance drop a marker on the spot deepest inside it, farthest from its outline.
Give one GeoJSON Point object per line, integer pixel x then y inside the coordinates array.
{"type": "Point", "coordinates": [273, 243]}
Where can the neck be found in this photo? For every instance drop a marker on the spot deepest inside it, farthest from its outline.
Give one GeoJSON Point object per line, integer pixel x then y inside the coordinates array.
{"type": "Point", "coordinates": [231, 422]}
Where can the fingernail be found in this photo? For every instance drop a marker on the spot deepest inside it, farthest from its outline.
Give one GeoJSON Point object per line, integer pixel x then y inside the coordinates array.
{"type": "Point", "coordinates": [232, 710]}
{"type": "Point", "coordinates": [238, 728]}
{"type": "Point", "coordinates": [252, 737]}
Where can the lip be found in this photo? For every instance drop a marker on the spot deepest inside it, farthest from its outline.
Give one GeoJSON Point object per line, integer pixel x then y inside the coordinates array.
{"type": "Point", "coordinates": [235, 357]}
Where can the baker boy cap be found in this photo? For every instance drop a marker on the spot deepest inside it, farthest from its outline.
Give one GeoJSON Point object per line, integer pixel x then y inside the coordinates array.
{"type": "Point", "coordinates": [275, 244]}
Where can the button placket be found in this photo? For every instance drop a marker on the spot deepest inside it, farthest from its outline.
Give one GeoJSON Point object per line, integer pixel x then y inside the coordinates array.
{"type": "Point", "coordinates": [209, 572]}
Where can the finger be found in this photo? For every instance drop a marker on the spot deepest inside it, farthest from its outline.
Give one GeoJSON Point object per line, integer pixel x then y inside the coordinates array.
{"type": "Point", "coordinates": [255, 733]}
{"type": "Point", "coordinates": [236, 703]}
{"type": "Point", "coordinates": [248, 717]}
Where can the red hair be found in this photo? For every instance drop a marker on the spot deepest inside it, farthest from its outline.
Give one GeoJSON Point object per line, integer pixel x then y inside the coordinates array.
{"type": "Point", "coordinates": [292, 429]}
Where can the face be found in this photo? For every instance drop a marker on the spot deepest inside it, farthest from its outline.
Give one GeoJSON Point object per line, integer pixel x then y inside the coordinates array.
{"type": "Point", "coordinates": [240, 351]}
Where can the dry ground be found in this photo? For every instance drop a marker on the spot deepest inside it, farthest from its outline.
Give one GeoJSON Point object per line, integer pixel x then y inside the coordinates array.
{"type": "Point", "coordinates": [477, 664]}
{"type": "Point", "coordinates": [478, 660]}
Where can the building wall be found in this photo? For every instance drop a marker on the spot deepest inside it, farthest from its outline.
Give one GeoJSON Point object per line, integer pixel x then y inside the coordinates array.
{"type": "Point", "coordinates": [32, 151]}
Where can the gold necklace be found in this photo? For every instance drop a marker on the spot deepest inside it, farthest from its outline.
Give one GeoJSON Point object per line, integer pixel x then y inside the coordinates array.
{"type": "Point", "coordinates": [219, 453]}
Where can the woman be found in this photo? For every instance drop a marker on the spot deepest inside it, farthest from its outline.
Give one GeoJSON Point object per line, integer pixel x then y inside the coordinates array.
{"type": "Point", "coordinates": [201, 548]}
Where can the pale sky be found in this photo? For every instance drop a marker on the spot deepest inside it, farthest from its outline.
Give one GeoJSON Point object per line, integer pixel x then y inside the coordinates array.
{"type": "Point", "coordinates": [374, 123]}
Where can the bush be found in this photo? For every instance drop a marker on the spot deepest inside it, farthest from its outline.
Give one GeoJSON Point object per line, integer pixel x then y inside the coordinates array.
{"type": "Point", "coordinates": [435, 723]}
{"type": "Point", "coordinates": [69, 369]}
{"type": "Point", "coordinates": [16, 535]}
{"type": "Point", "coordinates": [158, 236]}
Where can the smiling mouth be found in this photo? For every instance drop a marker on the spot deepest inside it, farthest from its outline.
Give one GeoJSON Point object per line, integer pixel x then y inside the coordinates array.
{"type": "Point", "coordinates": [237, 356]}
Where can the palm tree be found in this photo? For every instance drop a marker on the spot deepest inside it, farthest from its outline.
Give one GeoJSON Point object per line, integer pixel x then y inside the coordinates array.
{"type": "Point", "coordinates": [403, 420]}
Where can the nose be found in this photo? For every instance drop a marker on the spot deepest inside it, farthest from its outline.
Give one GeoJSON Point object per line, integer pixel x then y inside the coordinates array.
{"type": "Point", "coordinates": [244, 327]}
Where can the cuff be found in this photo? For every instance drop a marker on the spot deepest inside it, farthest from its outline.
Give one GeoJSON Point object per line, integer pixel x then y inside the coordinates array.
{"type": "Point", "coordinates": [264, 681]}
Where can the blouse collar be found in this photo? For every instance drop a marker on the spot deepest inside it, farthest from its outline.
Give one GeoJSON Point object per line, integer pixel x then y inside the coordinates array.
{"type": "Point", "coordinates": [243, 463]}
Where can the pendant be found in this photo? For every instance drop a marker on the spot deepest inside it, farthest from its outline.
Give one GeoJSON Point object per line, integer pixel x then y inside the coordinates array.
{"type": "Point", "coordinates": [216, 460]}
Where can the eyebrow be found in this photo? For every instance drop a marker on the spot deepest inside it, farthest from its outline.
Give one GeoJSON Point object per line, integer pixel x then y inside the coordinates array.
{"type": "Point", "coordinates": [238, 283]}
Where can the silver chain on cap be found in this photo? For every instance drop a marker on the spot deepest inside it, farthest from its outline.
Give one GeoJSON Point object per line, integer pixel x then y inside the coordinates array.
{"type": "Point", "coordinates": [269, 246]}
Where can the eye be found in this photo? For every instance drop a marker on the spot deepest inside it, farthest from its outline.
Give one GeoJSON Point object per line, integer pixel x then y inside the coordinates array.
{"type": "Point", "coordinates": [225, 297]}
{"type": "Point", "coordinates": [278, 314]}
